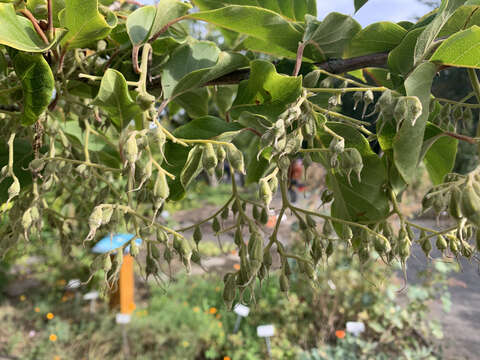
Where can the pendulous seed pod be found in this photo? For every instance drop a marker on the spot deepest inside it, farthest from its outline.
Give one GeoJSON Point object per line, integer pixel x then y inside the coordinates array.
{"type": "Point", "coordinates": [229, 290]}
{"type": "Point", "coordinates": [209, 158]}
{"type": "Point", "coordinates": [131, 149]}
{"type": "Point", "coordinates": [107, 263]}
{"type": "Point", "coordinates": [310, 222]}
{"type": "Point", "coordinates": [264, 216]}
{"type": "Point", "coordinates": [238, 238]}
{"type": "Point", "coordinates": [235, 157]}
{"type": "Point", "coordinates": [328, 229]}
{"type": "Point", "coordinates": [454, 207]}
{"type": "Point", "coordinates": [264, 192]}
{"type": "Point", "coordinates": [190, 170]}
{"type": "Point", "coordinates": [284, 283]}
{"type": "Point", "coordinates": [224, 214]}
{"type": "Point", "coordinates": [197, 235]}
{"type": "Point", "coordinates": [216, 225]}
{"type": "Point", "coordinates": [441, 243]}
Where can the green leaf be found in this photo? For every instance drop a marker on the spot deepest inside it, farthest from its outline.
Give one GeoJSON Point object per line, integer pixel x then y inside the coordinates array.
{"type": "Point", "coordinates": [460, 50]}
{"type": "Point", "coordinates": [330, 36]}
{"type": "Point", "coordinates": [207, 127]}
{"type": "Point", "coordinates": [442, 151]}
{"type": "Point", "coordinates": [426, 39]}
{"type": "Point", "coordinates": [265, 93]}
{"type": "Point", "coordinates": [379, 37]}
{"type": "Point", "coordinates": [148, 20]}
{"type": "Point", "coordinates": [359, 4]}
{"type": "Point", "coordinates": [463, 18]}
{"type": "Point", "coordinates": [361, 201]}
{"type": "Point", "coordinates": [292, 9]}
{"type": "Point", "coordinates": [84, 23]}
{"type": "Point", "coordinates": [256, 22]}
{"type": "Point", "coordinates": [408, 142]}
{"type": "Point", "coordinates": [400, 59]}
{"type": "Point", "coordinates": [37, 82]}
{"type": "Point", "coordinates": [18, 32]}
{"type": "Point", "coordinates": [194, 102]}
{"type": "Point", "coordinates": [114, 98]}
{"type": "Point", "coordinates": [185, 60]}
{"type": "Point", "coordinates": [39, 9]}
{"type": "Point", "coordinates": [225, 63]}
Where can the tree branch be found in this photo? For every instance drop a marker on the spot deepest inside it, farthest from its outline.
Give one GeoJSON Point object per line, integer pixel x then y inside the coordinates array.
{"type": "Point", "coordinates": [38, 29]}
{"type": "Point", "coordinates": [334, 66]}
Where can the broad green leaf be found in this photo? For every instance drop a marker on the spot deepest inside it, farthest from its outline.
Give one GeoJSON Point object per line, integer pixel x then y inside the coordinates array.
{"type": "Point", "coordinates": [460, 50]}
{"type": "Point", "coordinates": [17, 31]}
{"type": "Point", "coordinates": [84, 23]}
{"type": "Point", "coordinates": [361, 201]}
{"type": "Point", "coordinates": [265, 93]}
{"type": "Point", "coordinates": [139, 23]}
{"type": "Point", "coordinates": [194, 102]}
{"type": "Point", "coordinates": [23, 156]}
{"type": "Point", "coordinates": [292, 9]}
{"type": "Point", "coordinates": [463, 18]}
{"type": "Point", "coordinates": [99, 150]}
{"type": "Point", "coordinates": [39, 9]}
{"type": "Point", "coordinates": [428, 36]}
{"type": "Point", "coordinates": [408, 142]}
{"type": "Point", "coordinates": [37, 82]}
{"type": "Point", "coordinates": [440, 157]}
{"type": "Point", "coordinates": [375, 38]}
{"type": "Point", "coordinates": [400, 59]}
{"type": "Point", "coordinates": [148, 20]}
{"type": "Point", "coordinates": [185, 60]}
{"type": "Point", "coordinates": [207, 127]}
{"type": "Point", "coordinates": [359, 4]}
{"type": "Point", "coordinates": [226, 63]}
{"type": "Point", "coordinates": [114, 98]}
{"type": "Point", "coordinates": [256, 22]}
{"type": "Point", "coordinates": [330, 36]}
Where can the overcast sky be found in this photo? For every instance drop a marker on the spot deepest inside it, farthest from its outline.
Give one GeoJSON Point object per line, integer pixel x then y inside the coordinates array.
{"type": "Point", "coordinates": [374, 10]}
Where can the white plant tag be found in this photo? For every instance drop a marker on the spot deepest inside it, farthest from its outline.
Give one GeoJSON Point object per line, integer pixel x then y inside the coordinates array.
{"type": "Point", "coordinates": [241, 310]}
{"type": "Point", "coordinates": [92, 295]}
{"type": "Point", "coordinates": [122, 318]}
{"type": "Point", "coordinates": [73, 284]}
{"type": "Point", "coordinates": [265, 331]}
{"type": "Point", "coordinates": [355, 328]}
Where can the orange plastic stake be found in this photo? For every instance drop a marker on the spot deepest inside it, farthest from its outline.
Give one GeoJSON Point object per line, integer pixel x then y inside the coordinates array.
{"type": "Point", "coordinates": [126, 285]}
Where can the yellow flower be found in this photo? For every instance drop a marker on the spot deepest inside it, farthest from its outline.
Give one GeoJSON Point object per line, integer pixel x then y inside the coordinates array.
{"type": "Point", "coordinates": [196, 309]}
{"type": "Point", "coordinates": [236, 266]}
{"type": "Point", "coordinates": [217, 289]}
{"type": "Point", "coordinates": [212, 310]}
{"type": "Point", "coordinates": [56, 357]}
{"type": "Point", "coordinates": [53, 337]}
{"type": "Point", "coordinates": [218, 316]}
{"type": "Point", "coordinates": [226, 358]}
{"type": "Point", "coordinates": [22, 298]}
{"type": "Point", "coordinates": [219, 324]}
{"type": "Point", "coordinates": [61, 282]}
{"type": "Point", "coordinates": [50, 316]}
{"type": "Point", "coordinates": [185, 343]}
{"type": "Point", "coordinates": [37, 309]}
{"type": "Point", "coordinates": [64, 298]}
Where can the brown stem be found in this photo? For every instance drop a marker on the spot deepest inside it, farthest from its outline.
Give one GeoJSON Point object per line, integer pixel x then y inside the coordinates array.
{"type": "Point", "coordinates": [340, 66]}
{"type": "Point", "coordinates": [36, 26]}
{"type": "Point", "coordinates": [50, 19]}
{"type": "Point", "coordinates": [298, 63]}
{"type": "Point", "coordinates": [254, 131]}
{"type": "Point", "coordinates": [133, 2]}
{"type": "Point", "coordinates": [165, 28]}
{"type": "Point", "coordinates": [135, 50]}
{"type": "Point", "coordinates": [461, 137]}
